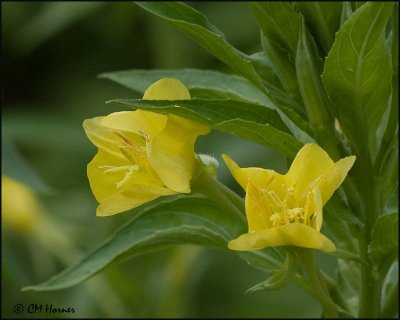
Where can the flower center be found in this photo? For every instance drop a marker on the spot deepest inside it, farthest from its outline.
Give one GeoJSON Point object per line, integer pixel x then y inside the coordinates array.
{"type": "Point", "coordinates": [127, 170]}
{"type": "Point", "coordinates": [287, 210]}
{"type": "Point", "coordinates": [133, 148]}
{"type": "Point", "coordinates": [134, 151]}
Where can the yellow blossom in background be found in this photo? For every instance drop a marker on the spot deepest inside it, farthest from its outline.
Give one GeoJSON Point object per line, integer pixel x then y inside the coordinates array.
{"type": "Point", "coordinates": [142, 155]}
{"type": "Point", "coordinates": [19, 206]}
{"type": "Point", "coordinates": [286, 210]}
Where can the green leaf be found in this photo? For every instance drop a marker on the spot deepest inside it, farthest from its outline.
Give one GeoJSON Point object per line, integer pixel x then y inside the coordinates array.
{"type": "Point", "coordinates": [390, 308]}
{"type": "Point", "coordinates": [16, 167]}
{"type": "Point", "coordinates": [339, 210]}
{"type": "Point", "coordinates": [210, 111]}
{"type": "Point", "coordinates": [322, 19]}
{"type": "Point", "coordinates": [388, 169]}
{"type": "Point", "coordinates": [343, 223]}
{"type": "Point", "coordinates": [203, 93]}
{"type": "Point", "coordinates": [350, 271]}
{"type": "Point", "coordinates": [262, 133]}
{"type": "Point", "coordinates": [357, 4]}
{"type": "Point", "coordinates": [208, 84]}
{"type": "Point", "coordinates": [298, 119]}
{"type": "Point", "coordinates": [202, 31]}
{"type": "Point", "coordinates": [308, 69]}
{"type": "Point", "coordinates": [393, 118]}
{"type": "Point", "coordinates": [347, 11]}
{"type": "Point", "coordinates": [196, 80]}
{"type": "Point", "coordinates": [384, 245]}
{"type": "Point", "coordinates": [280, 24]}
{"type": "Point", "coordinates": [265, 69]}
{"type": "Point", "coordinates": [283, 68]}
{"type": "Point", "coordinates": [357, 73]}
{"type": "Point", "coordinates": [235, 117]}
{"type": "Point", "coordinates": [272, 85]}
{"type": "Point", "coordinates": [169, 220]}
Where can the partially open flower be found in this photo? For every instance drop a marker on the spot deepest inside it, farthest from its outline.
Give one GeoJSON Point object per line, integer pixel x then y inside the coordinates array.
{"type": "Point", "coordinates": [286, 209]}
{"type": "Point", "coordinates": [142, 155]}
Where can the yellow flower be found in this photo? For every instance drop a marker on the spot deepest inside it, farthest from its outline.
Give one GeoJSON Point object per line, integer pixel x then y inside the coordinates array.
{"type": "Point", "coordinates": [19, 206]}
{"type": "Point", "coordinates": [286, 210]}
{"type": "Point", "coordinates": [142, 155]}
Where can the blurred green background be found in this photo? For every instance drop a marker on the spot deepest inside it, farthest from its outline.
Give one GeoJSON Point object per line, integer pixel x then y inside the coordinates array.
{"type": "Point", "coordinates": [52, 53]}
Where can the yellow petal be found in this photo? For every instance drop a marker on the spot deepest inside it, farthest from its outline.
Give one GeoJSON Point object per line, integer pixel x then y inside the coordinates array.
{"type": "Point", "coordinates": [104, 185]}
{"type": "Point", "coordinates": [167, 89]}
{"type": "Point", "coordinates": [105, 182]}
{"type": "Point", "coordinates": [122, 202]}
{"type": "Point", "coordinates": [138, 121]}
{"type": "Point", "coordinates": [318, 209]}
{"type": "Point", "coordinates": [143, 188]}
{"type": "Point", "coordinates": [334, 177]}
{"type": "Point", "coordinates": [258, 176]}
{"type": "Point", "coordinates": [293, 234]}
{"type": "Point", "coordinates": [145, 183]}
{"type": "Point", "coordinates": [171, 152]}
{"type": "Point", "coordinates": [258, 211]}
{"type": "Point", "coordinates": [101, 137]}
{"type": "Point", "coordinates": [313, 208]}
{"type": "Point", "coordinates": [310, 163]}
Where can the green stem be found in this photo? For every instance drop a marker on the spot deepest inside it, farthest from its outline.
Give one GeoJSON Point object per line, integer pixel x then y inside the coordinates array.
{"type": "Point", "coordinates": [391, 307]}
{"type": "Point", "coordinates": [370, 294]}
{"type": "Point", "coordinates": [315, 277]}
{"type": "Point", "coordinates": [335, 293]}
{"type": "Point", "coordinates": [207, 185]}
{"type": "Point", "coordinates": [232, 196]}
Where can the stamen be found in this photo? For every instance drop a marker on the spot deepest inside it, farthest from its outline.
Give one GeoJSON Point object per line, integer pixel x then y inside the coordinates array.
{"type": "Point", "coordinates": [285, 214]}
{"type": "Point", "coordinates": [269, 182]}
{"type": "Point", "coordinates": [145, 135]}
{"type": "Point", "coordinates": [139, 151]}
{"type": "Point", "coordinates": [127, 155]}
{"type": "Point", "coordinates": [275, 197]}
{"type": "Point", "coordinates": [130, 143]}
{"type": "Point", "coordinates": [310, 186]}
{"type": "Point", "coordinates": [289, 190]}
{"type": "Point", "coordinates": [111, 169]}
{"type": "Point", "coordinates": [124, 180]}
{"type": "Point", "coordinates": [296, 215]}
{"type": "Point", "coordinates": [132, 169]}
{"type": "Point", "coordinates": [289, 199]}
{"type": "Point", "coordinates": [137, 148]}
{"type": "Point", "coordinates": [276, 220]}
